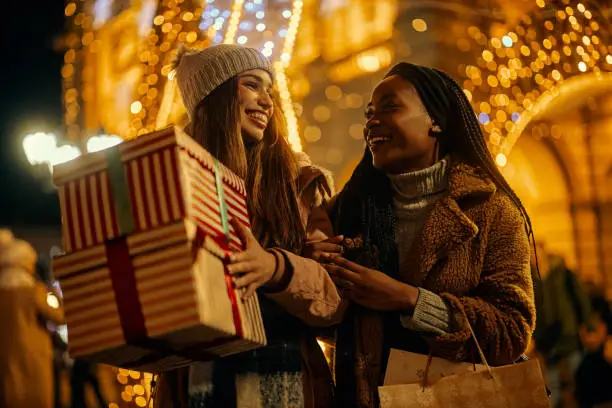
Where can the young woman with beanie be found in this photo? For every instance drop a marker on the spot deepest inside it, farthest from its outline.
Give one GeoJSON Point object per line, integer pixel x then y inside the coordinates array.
{"type": "Point", "coordinates": [441, 240]}
{"type": "Point", "coordinates": [234, 113]}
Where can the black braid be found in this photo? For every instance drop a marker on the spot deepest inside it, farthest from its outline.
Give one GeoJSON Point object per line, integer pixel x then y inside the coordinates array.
{"type": "Point", "coordinates": [483, 158]}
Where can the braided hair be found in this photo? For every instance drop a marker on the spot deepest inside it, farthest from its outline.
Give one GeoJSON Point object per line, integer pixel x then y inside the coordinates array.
{"type": "Point", "coordinates": [365, 204]}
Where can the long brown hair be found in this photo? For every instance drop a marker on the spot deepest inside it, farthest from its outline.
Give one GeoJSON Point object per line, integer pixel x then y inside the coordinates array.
{"type": "Point", "coordinates": [268, 167]}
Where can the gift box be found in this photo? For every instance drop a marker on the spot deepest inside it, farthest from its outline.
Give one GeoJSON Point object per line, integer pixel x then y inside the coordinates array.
{"type": "Point", "coordinates": [144, 183]}
{"type": "Point", "coordinates": [147, 239]}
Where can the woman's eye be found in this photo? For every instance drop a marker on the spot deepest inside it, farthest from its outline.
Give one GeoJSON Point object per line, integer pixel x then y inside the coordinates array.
{"type": "Point", "coordinates": [389, 106]}
{"type": "Point", "coordinates": [252, 85]}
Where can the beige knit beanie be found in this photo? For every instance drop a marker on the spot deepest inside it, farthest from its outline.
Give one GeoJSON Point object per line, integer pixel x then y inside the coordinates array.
{"type": "Point", "coordinates": [198, 73]}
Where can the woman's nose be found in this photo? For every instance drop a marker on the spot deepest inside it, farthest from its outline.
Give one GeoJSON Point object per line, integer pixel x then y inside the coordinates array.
{"type": "Point", "coordinates": [265, 100]}
{"type": "Point", "coordinates": [372, 123]}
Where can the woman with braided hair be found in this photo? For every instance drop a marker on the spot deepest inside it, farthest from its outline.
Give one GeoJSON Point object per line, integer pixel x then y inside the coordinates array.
{"type": "Point", "coordinates": [439, 239]}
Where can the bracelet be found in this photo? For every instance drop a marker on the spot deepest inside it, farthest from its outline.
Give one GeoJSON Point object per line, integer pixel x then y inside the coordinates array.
{"type": "Point", "coordinates": [275, 285]}
{"type": "Point", "coordinates": [276, 261]}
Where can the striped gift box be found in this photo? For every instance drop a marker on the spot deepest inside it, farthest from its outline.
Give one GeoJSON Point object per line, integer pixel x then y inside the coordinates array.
{"type": "Point", "coordinates": [153, 180]}
{"type": "Point", "coordinates": [136, 295]}
{"type": "Point", "coordinates": [154, 302]}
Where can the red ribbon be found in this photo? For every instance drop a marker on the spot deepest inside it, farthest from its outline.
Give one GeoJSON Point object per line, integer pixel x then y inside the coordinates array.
{"type": "Point", "coordinates": [231, 293]}
{"type": "Point", "coordinates": [123, 280]}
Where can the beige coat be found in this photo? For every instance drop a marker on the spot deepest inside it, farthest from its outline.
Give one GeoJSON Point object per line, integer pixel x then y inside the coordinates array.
{"type": "Point", "coordinates": [310, 295]}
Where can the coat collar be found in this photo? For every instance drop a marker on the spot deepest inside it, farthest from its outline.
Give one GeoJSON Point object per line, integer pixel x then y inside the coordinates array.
{"type": "Point", "coordinates": [448, 227]}
{"type": "Point", "coordinates": [308, 174]}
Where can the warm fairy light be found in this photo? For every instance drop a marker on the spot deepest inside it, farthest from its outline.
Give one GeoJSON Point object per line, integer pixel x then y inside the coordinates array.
{"type": "Point", "coordinates": [136, 107]}
{"type": "Point", "coordinates": [371, 60]}
{"type": "Point", "coordinates": [232, 27]}
{"type": "Point", "coordinates": [501, 160]}
{"type": "Point", "coordinates": [294, 23]}
{"type": "Point", "coordinates": [287, 105]}
{"type": "Point", "coordinates": [368, 63]}
{"type": "Point", "coordinates": [419, 25]}
{"type": "Point", "coordinates": [515, 71]}
{"type": "Point", "coordinates": [52, 300]}
{"type": "Point", "coordinates": [281, 77]}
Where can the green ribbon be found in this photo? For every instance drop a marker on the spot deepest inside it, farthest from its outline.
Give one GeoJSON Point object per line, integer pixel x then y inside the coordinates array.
{"type": "Point", "coordinates": [222, 205]}
{"type": "Point", "coordinates": [120, 190]}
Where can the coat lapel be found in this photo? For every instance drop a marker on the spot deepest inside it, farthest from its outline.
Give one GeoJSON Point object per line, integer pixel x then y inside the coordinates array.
{"type": "Point", "coordinates": [448, 227]}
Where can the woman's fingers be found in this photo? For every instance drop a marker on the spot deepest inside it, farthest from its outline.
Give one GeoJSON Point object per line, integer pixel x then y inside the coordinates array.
{"type": "Point", "coordinates": [245, 280]}
{"type": "Point", "coordinates": [241, 267]}
{"type": "Point", "coordinates": [328, 247]}
{"type": "Point", "coordinates": [343, 283]}
{"type": "Point", "coordinates": [243, 232]}
{"type": "Point", "coordinates": [250, 290]}
{"type": "Point", "coordinates": [336, 240]}
{"type": "Point", "coordinates": [236, 257]}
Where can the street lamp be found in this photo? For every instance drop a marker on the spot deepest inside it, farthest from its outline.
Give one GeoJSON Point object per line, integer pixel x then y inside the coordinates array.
{"type": "Point", "coordinates": [101, 142]}
{"type": "Point", "coordinates": [42, 149]}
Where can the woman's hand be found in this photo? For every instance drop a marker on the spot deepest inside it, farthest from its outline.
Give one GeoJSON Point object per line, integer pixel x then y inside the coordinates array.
{"type": "Point", "coordinates": [253, 267]}
{"type": "Point", "coordinates": [370, 288]}
{"type": "Point", "coordinates": [316, 250]}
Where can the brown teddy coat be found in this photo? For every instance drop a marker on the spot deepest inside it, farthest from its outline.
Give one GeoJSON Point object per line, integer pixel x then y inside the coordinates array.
{"type": "Point", "coordinates": [474, 252]}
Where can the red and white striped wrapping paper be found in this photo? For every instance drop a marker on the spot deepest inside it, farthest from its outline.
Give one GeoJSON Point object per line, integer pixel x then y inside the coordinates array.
{"type": "Point", "coordinates": [186, 298]}
{"type": "Point", "coordinates": [170, 178]}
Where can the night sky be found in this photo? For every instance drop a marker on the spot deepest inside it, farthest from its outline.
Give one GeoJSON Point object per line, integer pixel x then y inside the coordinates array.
{"type": "Point", "coordinates": [30, 100]}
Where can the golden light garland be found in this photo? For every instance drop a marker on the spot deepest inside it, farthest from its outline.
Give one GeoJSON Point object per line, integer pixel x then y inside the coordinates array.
{"type": "Point", "coordinates": [176, 22]}
{"type": "Point", "coordinates": [518, 68]}
{"type": "Point", "coordinates": [79, 38]}
{"type": "Point", "coordinates": [281, 78]}
{"type": "Point", "coordinates": [232, 27]}
{"type": "Point", "coordinates": [281, 65]}
{"type": "Point", "coordinates": [136, 388]}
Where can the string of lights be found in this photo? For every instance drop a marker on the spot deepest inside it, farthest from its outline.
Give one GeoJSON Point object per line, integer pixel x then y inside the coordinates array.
{"type": "Point", "coordinates": [281, 78]}
{"type": "Point", "coordinates": [79, 38]}
{"type": "Point", "coordinates": [232, 26]}
{"type": "Point", "coordinates": [176, 22]}
{"type": "Point", "coordinates": [516, 68]}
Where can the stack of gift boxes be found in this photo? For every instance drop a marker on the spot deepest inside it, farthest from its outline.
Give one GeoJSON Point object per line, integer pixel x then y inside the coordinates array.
{"type": "Point", "coordinates": [147, 237]}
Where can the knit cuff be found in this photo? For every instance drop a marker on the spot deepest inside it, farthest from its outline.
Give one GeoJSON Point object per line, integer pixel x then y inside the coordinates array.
{"type": "Point", "coordinates": [430, 314]}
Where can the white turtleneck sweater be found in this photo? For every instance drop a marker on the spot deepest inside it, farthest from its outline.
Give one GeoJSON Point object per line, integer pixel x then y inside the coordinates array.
{"type": "Point", "coordinates": [414, 194]}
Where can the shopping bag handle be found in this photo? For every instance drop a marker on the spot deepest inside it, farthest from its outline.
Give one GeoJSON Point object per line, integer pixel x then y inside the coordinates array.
{"type": "Point", "coordinates": [480, 352]}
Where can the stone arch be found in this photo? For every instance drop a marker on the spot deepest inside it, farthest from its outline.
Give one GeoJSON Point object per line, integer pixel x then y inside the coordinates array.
{"type": "Point", "coordinates": [544, 188]}
{"type": "Point", "coordinates": [570, 94]}
{"type": "Point", "coordinates": [584, 155]}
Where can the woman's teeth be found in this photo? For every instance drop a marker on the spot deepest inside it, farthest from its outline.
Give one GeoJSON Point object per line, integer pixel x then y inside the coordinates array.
{"type": "Point", "coordinates": [259, 117]}
{"type": "Point", "coordinates": [378, 139]}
